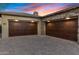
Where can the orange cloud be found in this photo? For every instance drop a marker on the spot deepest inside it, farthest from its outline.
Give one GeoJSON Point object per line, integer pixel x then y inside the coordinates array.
{"type": "Point", "coordinates": [38, 8]}
{"type": "Point", "coordinates": [45, 12]}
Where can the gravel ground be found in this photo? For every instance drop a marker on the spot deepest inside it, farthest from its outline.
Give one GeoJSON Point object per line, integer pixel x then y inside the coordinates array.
{"type": "Point", "coordinates": [38, 45]}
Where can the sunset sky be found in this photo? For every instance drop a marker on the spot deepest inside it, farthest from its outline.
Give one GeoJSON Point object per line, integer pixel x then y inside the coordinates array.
{"type": "Point", "coordinates": [42, 8]}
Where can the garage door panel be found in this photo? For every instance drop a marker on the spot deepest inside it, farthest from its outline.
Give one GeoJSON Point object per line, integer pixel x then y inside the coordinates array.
{"type": "Point", "coordinates": [66, 29]}
{"type": "Point", "coordinates": [22, 28]}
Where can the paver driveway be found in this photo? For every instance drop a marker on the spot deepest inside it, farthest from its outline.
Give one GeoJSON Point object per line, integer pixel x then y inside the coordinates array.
{"type": "Point", "coordinates": [38, 45]}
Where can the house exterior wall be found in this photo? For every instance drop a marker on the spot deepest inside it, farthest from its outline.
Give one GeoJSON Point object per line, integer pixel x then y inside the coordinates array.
{"type": "Point", "coordinates": [60, 16]}
{"type": "Point", "coordinates": [41, 22]}
{"type": "Point", "coordinates": [5, 27]}
{"type": "Point", "coordinates": [0, 20]}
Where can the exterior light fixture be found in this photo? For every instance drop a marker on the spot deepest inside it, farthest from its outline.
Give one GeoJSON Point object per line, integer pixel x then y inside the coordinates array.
{"type": "Point", "coordinates": [32, 21]}
{"type": "Point", "coordinates": [16, 20]}
{"type": "Point", "coordinates": [68, 18]}
{"type": "Point", "coordinates": [48, 21]}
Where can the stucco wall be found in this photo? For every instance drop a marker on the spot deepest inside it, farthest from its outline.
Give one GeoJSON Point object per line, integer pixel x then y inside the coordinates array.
{"type": "Point", "coordinates": [0, 20]}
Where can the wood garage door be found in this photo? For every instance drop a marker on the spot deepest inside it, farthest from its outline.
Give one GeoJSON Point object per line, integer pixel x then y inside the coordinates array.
{"type": "Point", "coordinates": [66, 29]}
{"type": "Point", "coordinates": [20, 28]}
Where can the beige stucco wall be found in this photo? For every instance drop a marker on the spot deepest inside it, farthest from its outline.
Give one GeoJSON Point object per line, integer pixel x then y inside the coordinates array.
{"type": "Point", "coordinates": [0, 20]}
{"type": "Point", "coordinates": [41, 28]}
{"type": "Point", "coordinates": [5, 18]}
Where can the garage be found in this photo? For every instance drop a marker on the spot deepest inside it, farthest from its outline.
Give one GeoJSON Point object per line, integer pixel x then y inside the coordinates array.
{"type": "Point", "coordinates": [66, 29]}
{"type": "Point", "coordinates": [20, 28]}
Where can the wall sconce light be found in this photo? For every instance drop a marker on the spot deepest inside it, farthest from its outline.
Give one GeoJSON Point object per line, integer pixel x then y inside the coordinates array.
{"type": "Point", "coordinates": [48, 21]}
{"type": "Point", "coordinates": [16, 20]}
{"type": "Point", "coordinates": [32, 21]}
{"type": "Point", "coordinates": [68, 18]}
{"type": "Point", "coordinates": [4, 23]}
